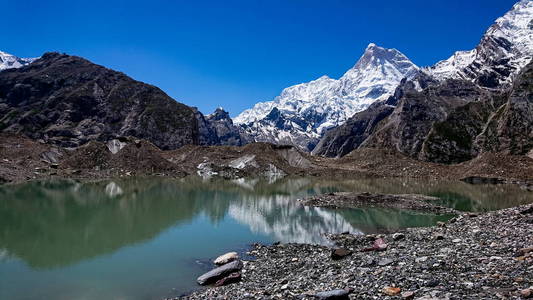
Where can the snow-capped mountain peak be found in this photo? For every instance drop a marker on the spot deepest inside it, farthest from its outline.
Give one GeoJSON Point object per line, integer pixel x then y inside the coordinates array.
{"type": "Point", "coordinates": [505, 48]}
{"type": "Point", "coordinates": [8, 61]}
{"type": "Point", "coordinates": [376, 74]}
{"type": "Point", "coordinates": [303, 112]}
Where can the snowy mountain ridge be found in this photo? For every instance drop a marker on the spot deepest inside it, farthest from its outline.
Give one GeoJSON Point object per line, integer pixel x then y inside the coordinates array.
{"type": "Point", "coordinates": [505, 48]}
{"type": "Point", "coordinates": [8, 61]}
{"type": "Point", "coordinates": [303, 112]}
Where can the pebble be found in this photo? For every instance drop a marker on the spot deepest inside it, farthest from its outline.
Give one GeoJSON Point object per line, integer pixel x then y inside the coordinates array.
{"type": "Point", "coordinates": [385, 262]}
{"type": "Point", "coordinates": [340, 253]}
{"type": "Point", "coordinates": [398, 236]}
{"type": "Point", "coordinates": [391, 291]}
{"type": "Point", "coordinates": [527, 293]}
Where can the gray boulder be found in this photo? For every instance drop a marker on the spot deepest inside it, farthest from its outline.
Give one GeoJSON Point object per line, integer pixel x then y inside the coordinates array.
{"type": "Point", "coordinates": [220, 272]}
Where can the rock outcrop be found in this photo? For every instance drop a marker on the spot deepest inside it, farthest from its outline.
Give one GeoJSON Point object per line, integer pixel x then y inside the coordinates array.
{"type": "Point", "coordinates": [226, 132]}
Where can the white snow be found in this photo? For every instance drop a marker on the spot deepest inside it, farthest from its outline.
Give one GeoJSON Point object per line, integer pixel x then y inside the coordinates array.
{"type": "Point", "coordinates": [325, 102]}
{"type": "Point", "coordinates": [515, 27]}
{"type": "Point", "coordinates": [242, 162]}
{"type": "Point", "coordinates": [8, 61]}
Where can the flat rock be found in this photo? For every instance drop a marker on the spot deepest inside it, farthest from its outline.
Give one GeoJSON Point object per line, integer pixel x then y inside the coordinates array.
{"type": "Point", "coordinates": [334, 294]}
{"type": "Point", "coordinates": [385, 262]}
{"type": "Point", "coordinates": [220, 272]}
{"type": "Point", "coordinates": [527, 293]}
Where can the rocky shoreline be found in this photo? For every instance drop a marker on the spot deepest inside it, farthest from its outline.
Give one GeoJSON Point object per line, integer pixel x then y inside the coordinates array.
{"type": "Point", "coordinates": [473, 256]}
{"type": "Point", "coordinates": [23, 159]}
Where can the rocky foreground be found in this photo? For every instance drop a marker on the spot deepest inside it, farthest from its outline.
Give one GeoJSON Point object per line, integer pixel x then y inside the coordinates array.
{"type": "Point", "coordinates": [473, 256]}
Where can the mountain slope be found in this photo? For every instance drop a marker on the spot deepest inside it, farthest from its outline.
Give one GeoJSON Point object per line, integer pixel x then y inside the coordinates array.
{"type": "Point", "coordinates": [68, 101]}
{"type": "Point", "coordinates": [303, 113]}
{"type": "Point", "coordinates": [8, 61]}
{"type": "Point", "coordinates": [505, 49]}
{"type": "Point", "coordinates": [438, 115]}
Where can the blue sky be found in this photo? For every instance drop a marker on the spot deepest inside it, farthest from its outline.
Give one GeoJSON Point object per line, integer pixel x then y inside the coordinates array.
{"type": "Point", "coordinates": [235, 53]}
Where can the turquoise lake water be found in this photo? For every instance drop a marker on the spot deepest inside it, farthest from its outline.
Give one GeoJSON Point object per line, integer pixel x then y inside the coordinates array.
{"type": "Point", "coordinates": [149, 238]}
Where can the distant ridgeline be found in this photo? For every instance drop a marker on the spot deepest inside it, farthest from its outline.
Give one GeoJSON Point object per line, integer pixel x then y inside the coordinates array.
{"type": "Point", "coordinates": [475, 101]}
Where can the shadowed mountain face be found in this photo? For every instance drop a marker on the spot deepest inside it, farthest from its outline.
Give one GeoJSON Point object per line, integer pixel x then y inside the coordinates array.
{"type": "Point", "coordinates": [457, 120]}
{"type": "Point", "coordinates": [218, 129]}
{"type": "Point", "coordinates": [446, 122]}
{"type": "Point", "coordinates": [68, 101]}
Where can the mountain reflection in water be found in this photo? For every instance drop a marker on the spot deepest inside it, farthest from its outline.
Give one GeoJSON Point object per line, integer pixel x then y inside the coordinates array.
{"type": "Point", "coordinates": [54, 223]}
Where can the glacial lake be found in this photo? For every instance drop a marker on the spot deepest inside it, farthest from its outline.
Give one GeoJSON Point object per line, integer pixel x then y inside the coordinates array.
{"type": "Point", "coordinates": [149, 238]}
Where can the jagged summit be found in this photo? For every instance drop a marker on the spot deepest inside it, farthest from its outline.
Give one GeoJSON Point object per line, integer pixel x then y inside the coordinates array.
{"type": "Point", "coordinates": [505, 48]}
{"type": "Point", "coordinates": [219, 114]}
{"type": "Point", "coordinates": [308, 109]}
{"type": "Point", "coordinates": [9, 61]}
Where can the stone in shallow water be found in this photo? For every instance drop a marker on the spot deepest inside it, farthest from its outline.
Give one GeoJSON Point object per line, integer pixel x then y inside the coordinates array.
{"type": "Point", "coordinates": [220, 272]}
{"type": "Point", "coordinates": [226, 258]}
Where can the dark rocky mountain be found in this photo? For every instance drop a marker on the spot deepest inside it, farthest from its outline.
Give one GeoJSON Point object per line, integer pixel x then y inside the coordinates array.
{"type": "Point", "coordinates": [228, 134]}
{"type": "Point", "coordinates": [500, 122]}
{"type": "Point", "coordinates": [511, 127]}
{"type": "Point", "coordinates": [218, 129]}
{"type": "Point", "coordinates": [68, 101]}
{"type": "Point", "coordinates": [449, 122]}
{"type": "Point", "coordinates": [207, 135]}
{"type": "Point", "coordinates": [347, 137]}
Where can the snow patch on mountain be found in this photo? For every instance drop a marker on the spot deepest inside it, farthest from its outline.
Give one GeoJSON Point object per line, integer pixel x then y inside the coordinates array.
{"type": "Point", "coordinates": [302, 113]}
{"type": "Point", "coordinates": [9, 61]}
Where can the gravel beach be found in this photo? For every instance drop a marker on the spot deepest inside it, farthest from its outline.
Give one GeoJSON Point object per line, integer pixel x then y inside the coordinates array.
{"type": "Point", "coordinates": [473, 256]}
